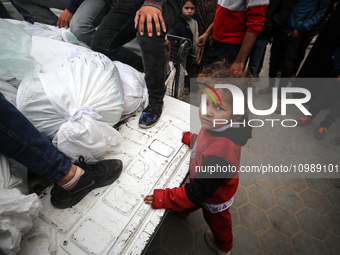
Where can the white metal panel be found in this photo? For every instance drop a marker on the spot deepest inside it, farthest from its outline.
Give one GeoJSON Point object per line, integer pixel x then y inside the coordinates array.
{"type": "Point", "coordinates": [114, 219]}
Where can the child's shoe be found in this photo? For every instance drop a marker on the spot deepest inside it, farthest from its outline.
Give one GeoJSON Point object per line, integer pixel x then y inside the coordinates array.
{"type": "Point", "coordinates": [151, 115]}
{"type": "Point", "coordinates": [320, 133]}
{"type": "Point", "coordinates": [304, 121]}
{"type": "Point", "coordinates": [210, 240]}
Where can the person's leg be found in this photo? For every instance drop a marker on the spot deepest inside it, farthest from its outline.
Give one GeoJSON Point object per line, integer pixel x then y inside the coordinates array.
{"type": "Point", "coordinates": [154, 54]}
{"type": "Point", "coordinates": [4, 14]}
{"type": "Point", "coordinates": [41, 9]}
{"type": "Point", "coordinates": [290, 49]}
{"type": "Point", "coordinates": [88, 16]}
{"type": "Point", "coordinates": [116, 29]}
{"type": "Point", "coordinates": [221, 227]}
{"type": "Point", "coordinates": [222, 51]}
{"type": "Point", "coordinates": [328, 97]}
{"type": "Point", "coordinates": [27, 16]}
{"type": "Point", "coordinates": [256, 55]}
{"type": "Point", "coordinates": [300, 55]}
{"type": "Point", "coordinates": [259, 68]}
{"type": "Point", "coordinates": [328, 94]}
{"type": "Point", "coordinates": [275, 57]}
{"type": "Point", "coordinates": [21, 141]}
{"type": "Point", "coordinates": [332, 96]}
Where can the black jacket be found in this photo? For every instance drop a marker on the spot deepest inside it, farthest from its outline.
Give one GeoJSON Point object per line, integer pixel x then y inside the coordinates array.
{"type": "Point", "coordinates": [182, 29]}
{"type": "Point", "coordinates": [277, 13]}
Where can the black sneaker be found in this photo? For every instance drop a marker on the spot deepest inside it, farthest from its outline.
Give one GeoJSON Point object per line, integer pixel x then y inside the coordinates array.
{"type": "Point", "coordinates": [96, 175]}
{"type": "Point", "coordinates": [151, 115]}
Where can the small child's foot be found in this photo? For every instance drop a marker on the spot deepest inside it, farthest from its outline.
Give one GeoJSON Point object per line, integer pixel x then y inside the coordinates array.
{"type": "Point", "coordinates": [210, 240]}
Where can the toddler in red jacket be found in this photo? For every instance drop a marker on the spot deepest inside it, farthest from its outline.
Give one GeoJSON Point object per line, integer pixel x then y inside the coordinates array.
{"type": "Point", "coordinates": [217, 146]}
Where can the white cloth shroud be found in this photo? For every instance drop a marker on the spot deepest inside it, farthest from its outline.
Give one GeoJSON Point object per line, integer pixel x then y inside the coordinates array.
{"type": "Point", "coordinates": [87, 85]}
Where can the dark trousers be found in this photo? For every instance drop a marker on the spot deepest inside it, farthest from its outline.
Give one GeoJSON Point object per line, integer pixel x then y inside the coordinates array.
{"type": "Point", "coordinates": [282, 57]}
{"type": "Point", "coordinates": [256, 55]}
{"type": "Point", "coordinates": [222, 51]}
{"type": "Point", "coordinates": [117, 28]}
{"type": "Point", "coordinates": [329, 97]}
{"type": "Point", "coordinates": [304, 43]}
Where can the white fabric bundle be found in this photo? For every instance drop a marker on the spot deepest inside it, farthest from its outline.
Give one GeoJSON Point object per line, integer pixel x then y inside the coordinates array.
{"type": "Point", "coordinates": [68, 98]}
{"type": "Point", "coordinates": [17, 214]}
{"type": "Point", "coordinates": [135, 92]}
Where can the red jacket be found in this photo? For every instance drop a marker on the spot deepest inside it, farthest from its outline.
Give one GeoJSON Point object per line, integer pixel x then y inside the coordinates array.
{"type": "Point", "coordinates": [234, 18]}
{"type": "Point", "coordinates": [209, 148]}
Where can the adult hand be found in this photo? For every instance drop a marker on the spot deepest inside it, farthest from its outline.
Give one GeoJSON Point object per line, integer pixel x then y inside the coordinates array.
{"type": "Point", "coordinates": [202, 40]}
{"type": "Point", "coordinates": [295, 34]}
{"type": "Point", "coordinates": [65, 19]}
{"type": "Point", "coordinates": [237, 68]}
{"type": "Point", "coordinates": [149, 14]}
{"type": "Point", "coordinates": [148, 199]}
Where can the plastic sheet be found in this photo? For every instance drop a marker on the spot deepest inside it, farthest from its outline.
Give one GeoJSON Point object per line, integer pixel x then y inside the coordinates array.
{"type": "Point", "coordinates": [15, 48]}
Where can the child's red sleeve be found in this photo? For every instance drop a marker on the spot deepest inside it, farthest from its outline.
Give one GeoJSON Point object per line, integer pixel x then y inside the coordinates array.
{"type": "Point", "coordinates": [189, 139]}
{"type": "Point", "coordinates": [175, 199]}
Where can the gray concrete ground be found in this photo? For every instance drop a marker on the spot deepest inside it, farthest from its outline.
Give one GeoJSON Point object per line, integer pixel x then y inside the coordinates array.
{"type": "Point", "coordinates": [276, 215]}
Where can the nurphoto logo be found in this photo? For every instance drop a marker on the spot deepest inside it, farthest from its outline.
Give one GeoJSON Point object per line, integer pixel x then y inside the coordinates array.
{"type": "Point", "coordinates": [239, 104]}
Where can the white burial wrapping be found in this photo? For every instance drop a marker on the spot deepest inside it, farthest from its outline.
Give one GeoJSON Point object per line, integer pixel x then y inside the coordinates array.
{"type": "Point", "coordinates": [75, 101]}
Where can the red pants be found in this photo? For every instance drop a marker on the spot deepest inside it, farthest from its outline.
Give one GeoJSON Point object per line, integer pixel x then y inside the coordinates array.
{"type": "Point", "coordinates": [219, 223]}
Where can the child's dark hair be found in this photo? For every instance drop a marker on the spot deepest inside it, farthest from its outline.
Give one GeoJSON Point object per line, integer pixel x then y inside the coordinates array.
{"type": "Point", "coordinates": [191, 1]}
{"type": "Point", "coordinates": [213, 74]}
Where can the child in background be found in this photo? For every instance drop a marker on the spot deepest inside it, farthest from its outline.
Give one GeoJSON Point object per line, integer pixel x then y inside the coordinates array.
{"type": "Point", "coordinates": [214, 145]}
{"type": "Point", "coordinates": [188, 27]}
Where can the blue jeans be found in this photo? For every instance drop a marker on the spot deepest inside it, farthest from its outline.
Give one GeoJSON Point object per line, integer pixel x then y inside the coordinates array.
{"type": "Point", "coordinates": [117, 29]}
{"type": "Point", "coordinates": [88, 16]}
{"type": "Point", "coordinates": [21, 141]}
{"type": "Point", "coordinates": [256, 55]}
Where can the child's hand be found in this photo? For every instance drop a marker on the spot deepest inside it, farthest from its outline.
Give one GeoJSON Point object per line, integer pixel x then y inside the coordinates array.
{"type": "Point", "coordinates": [148, 199]}
{"type": "Point", "coordinates": [186, 138]}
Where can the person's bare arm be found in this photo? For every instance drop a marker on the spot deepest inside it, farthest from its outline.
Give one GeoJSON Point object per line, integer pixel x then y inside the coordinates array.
{"type": "Point", "coordinates": [201, 41]}
{"type": "Point", "coordinates": [246, 47]}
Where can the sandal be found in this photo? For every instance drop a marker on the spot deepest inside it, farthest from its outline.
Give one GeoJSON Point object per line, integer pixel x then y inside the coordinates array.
{"type": "Point", "coordinates": [266, 90]}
